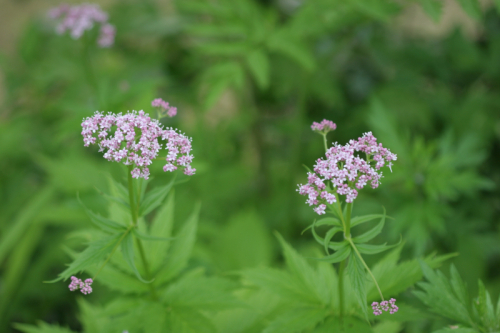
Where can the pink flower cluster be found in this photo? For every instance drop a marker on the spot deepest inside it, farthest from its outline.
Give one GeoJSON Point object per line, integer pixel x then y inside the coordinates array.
{"type": "Point", "coordinates": [386, 306]}
{"type": "Point", "coordinates": [324, 126]}
{"type": "Point", "coordinates": [346, 171]}
{"type": "Point", "coordinates": [84, 287]}
{"type": "Point", "coordinates": [78, 19]}
{"type": "Point", "coordinates": [133, 139]}
{"type": "Point", "coordinates": [165, 108]}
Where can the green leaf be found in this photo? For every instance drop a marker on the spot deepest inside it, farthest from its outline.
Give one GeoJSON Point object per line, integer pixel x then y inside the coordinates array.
{"type": "Point", "coordinates": [202, 293]}
{"type": "Point", "coordinates": [297, 320]}
{"type": "Point", "coordinates": [181, 248]}
{"type": "Point", "coordinates": [117, 280]}
{"type": "Point", "coordinates": [154, 198]}
{"type": "Point", "coordinates": [357, 277]}
{"type": "Point", "coordinates": [42, 328]}
{"type": "Point", "coordinates": [189, 320]}
{"type": "Point", "coordinates": [332, 245]}
{"type": "Point", "coordinates": [459, 287]}
{"type": "Point", "coordinates": [338, 256]}
{"type": "Point", "coordinates": [161, 226]}
{"type": "Point", "coordinates": [365, 218]}
{"type": "Point", "coordinates": [112, 198]}
{"type": "Point", "coordinates": [456, 330]}
{"type": "Point", "coordinates": [374, 249]}
{"type": "Point", "coordinates": [433, 8]}
{"type": "Point", "coordinates": [258, 63]}
{"type": "Point", "coordinates": [329, 221]}
{"type": "Point", "coordinates": [93, 254]}
{"type": "Point", "coordinates": [367, 236]}
{"type": "Point", "coordinates": [497, 5]}
{"type": "Point", "coordinates": [485, 308]}
{"type": "Point", "coordinates": [329, 235]}
{"type": "Point", "coordinates": [283, 42]}
{"type": "Point", "coordinates": [100, 222]}
{"type": "Point", "coordinates": [472, 8]}
{"type": "Point", "coordinates": [128, 254]}
{"type": "Point", "coordinates": [141, 235]}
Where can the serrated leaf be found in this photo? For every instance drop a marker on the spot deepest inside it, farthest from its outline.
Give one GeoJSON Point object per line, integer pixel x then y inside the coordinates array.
{"type": "Point", "coordinates": [332, 245]}
{"type": "Point", "coordinates": [181, 248]}
{"type": "Point", "coordinates": [115, 279]}
{"type": "Point", "coordinates": [42, 328]}
{"type": "Point", "coordinates": [297, 320]}
{"type": "Point", "coordinates": [258, 63]}
{"type": "Point", "coordinates": [202, 293]}
{"type": "Point", "coordinates": [365, 218]}
{"type": "Point", "coordinates": [341, 254]}
{"type": "Point", "coordinates": [93, 254]}
{"type": "Point", "coordinates": [128, 254]}
{"type": "Point", "coordinates": [374, 249]}
{"type": "Point", "coordinates": [357, 277]}
{"type": "Point", "coordinates": [472, 8]}
{"type": "Point", "coordinates": [433, 8]}
{"type": "Point", "coordinates": [102, 222]}
{"type": "Point", "coordinates": [370, 234]}
{"type": "Point", "coordinates": [161, 226]}
{"type": "Point", "coordinates": [458, 286]}
{"type": "Point", "coordinates": [112, 198]}
{"type": "Point", "coordinates": [485, 308]}
{"type": "Point", "coordinates": [154, 198]}
{"type": "Point", "coordinates": [189, 320]}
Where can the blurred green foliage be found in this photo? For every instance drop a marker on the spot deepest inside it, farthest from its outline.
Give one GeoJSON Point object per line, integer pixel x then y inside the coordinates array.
{"type": "Point", "coordinates": [248, 78]}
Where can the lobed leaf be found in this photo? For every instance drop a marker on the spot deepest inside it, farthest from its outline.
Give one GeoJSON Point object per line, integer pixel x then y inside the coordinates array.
{"type": "Point", "coordinates": [100, 222]}
{"type": "Point", "coordinates": [154, 198]}
{"type": "Point", "coordinates": [297, 320]}
{"type": "Point", "coordinates": [128, 254]}
{"type": "Point", "coordinates": [365, 218]}
{"type": "Point", "coordinates": [357, 277]}
{"type": "Point", "coordinates": [370, 234]}
{"type": "Point", "coordinates": [341, 254]}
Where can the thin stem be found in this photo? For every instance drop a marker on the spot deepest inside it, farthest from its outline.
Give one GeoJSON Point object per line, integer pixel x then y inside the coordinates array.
{"type": "Point", "coordinates": [324, 141]}
{"type": "Point", "coordinates": [366, 266]}
{"type": "Point", "coordinates": [146, 268]}
{"type": "Point", "coordinates": [348, 220]}
{"type": "Point", "coordinates": [134, 213]}
{"type": "Point", "coordinates": [341, 291]}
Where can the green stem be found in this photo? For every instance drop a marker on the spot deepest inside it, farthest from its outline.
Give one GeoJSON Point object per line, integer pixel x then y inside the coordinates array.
{"type": "Point", "coordinates": [348, 220]}
{"type": "Point", "coordinates": [324, 141]}
{"type": "Point", "coordinates": [366, 266]}
{"type": "Point", "coordinates": [134, 213]}
{"type": "Point", "coordinates": [146, 268]}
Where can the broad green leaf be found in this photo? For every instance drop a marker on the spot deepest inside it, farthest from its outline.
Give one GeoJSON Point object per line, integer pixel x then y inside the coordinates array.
{"type": "Point", "coordinates": [161, 226]}
{"type": "Point", "coordinates": [115, 279]}
{"type": "Point", "coordinates": [181, 248]}
{"type": "Point", "coordinates": [433, 8]}
{"type": "Point", "coordinates": [93, 254]}
{"type": "Point", "coordinates": [258, 63]}
{"type": "Point", "coordinates": [155, 197]}
{"type": "Point", "coordinates": [354, 324]}
{"type": "Point", "coordinates": [299, 268]}
{"type": "Point", "coordinates": [365, 218]}
{"type": "Point", "coordinates": [357, 277]}
{"type": "Point", "coordinates": [329, 235]}
{"type": "Point", "coordinates": [485, 308]}
{"type": "Point", "coordinates": [472, 8]}
{"type": "Point", "coordinates": [338, 256]}
{"type": "Point", "coordinates": [332, 245]}
{"type": "Point", "coordinates": [370, 234]}
{"type": "Point", "coordinates": [459, 287]}
{"type": "Point", "coordinates": [128, 254]}
{"type": "Point", "coordinates": [388, 327]}
{"type": "Point", "coordinates": [201, 293]}
{"type": "Point", "coordinates": [297, 320]}
{"type": "Point", "coordinates": [329, 221]}
{"type": "Point", "coordinates": [280, 283]}
{"type": "Point", "coordinates": [42, 328]}
{"type": "Point", "coordinates": [189, 320]}
{"type": "Point", "coordinates": [100, 222]}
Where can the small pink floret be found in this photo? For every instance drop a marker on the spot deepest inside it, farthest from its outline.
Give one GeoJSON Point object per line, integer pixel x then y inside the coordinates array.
{"type": "Point", "coordinates": [386, 306]}
{"type": "Point", "coordinates": [84, 287]}
{"type": "Point", "coordinates": [324, 126]}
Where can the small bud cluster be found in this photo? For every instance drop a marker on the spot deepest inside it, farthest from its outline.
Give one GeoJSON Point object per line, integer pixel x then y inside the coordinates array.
{"type": "Point", "coordinates": [133, 139]}
{"type": "Point", "coordinates": [78, 19]}
{"type": "Point", "coordinates": [386, 306]}
{"type": "Point", "coordinates": [84, 286]}
{"type": "Point", "coordinates": [164, 108]}
{"type": "Point", "coordinates": [324, 126]}
{"type": "Point", "coordinates": [346, 171]}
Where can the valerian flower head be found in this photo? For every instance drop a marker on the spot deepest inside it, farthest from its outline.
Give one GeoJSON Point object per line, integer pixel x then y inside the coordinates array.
{"type": "Point", "coordinates": [134, 139]}
{"type": "Point", "coordinates": [84, 286]}
{"type": "Point", "coordinates": [386, 306]}
{"type": "Point", "coordinates": [78, 19]}
{"type": "Point", "coordinates": [346, 171]}
{"type": "Point", "coordinates": [164, 109]}
{"type": "Point", "coordinates": [324, 126]}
